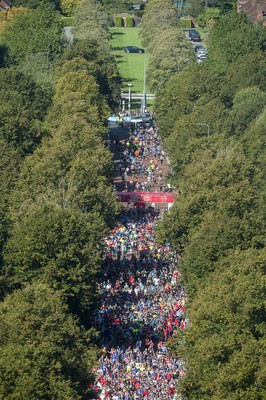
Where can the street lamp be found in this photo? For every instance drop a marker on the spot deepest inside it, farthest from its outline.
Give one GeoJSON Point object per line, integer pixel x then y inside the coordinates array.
{"type": "Point", "coordinates": [129, 96]}
{"type": "Point", "coordinates": [144, 86]}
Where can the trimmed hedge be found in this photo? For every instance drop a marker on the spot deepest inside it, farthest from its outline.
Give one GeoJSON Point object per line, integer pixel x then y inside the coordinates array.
{"type": "Point", "coordinates": [185, 22]}
{"type": "Point", "coordinates": [130, 22]}
{"type": "Point", "coordinates": [118, 21]}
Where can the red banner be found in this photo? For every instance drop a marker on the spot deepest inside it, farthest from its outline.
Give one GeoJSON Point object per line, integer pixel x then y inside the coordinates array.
{"type": "Point", "coordinates": [146, 197]}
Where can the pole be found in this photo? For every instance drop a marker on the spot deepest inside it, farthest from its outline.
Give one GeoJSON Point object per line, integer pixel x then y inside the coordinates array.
{"type": "Point", "coordinates": [144, 86]}
{"type": "Point", "coordinates": [129, 96]}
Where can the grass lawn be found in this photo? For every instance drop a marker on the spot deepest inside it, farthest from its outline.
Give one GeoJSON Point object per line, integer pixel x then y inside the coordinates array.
{"type": "Point", "coordinates": [131, 66]}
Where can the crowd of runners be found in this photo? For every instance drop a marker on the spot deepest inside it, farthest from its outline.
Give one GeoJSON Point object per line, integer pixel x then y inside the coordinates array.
{"type": "Point", "coordinates": [142, 160]}
{"type": "Point", "coordinates": [142, 301]}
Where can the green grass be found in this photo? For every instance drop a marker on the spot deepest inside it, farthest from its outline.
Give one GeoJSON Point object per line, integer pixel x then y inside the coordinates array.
{"type": "Point", "coordinates": [131, 66]}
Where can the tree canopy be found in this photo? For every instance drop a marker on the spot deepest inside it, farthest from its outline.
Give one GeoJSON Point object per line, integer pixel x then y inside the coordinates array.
{"type": "Point", "coordinates": [170, 51]}
{"type": "Point", "coordinates": [23, 105]}
{"type": "Point", "coordinates": [44, 353]}
{"type": "Point", "coordinates": [34, 31]}
{"type": "Point", "coordinates": [212, 121]}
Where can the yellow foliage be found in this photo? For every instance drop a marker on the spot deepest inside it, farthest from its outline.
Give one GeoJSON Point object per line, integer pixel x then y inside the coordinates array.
{"type": "Point", "coordinates": [7, 16]}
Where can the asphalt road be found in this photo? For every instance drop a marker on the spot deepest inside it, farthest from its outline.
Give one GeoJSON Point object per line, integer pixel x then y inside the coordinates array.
{"type": "Point", "coordinates": [118, 133]}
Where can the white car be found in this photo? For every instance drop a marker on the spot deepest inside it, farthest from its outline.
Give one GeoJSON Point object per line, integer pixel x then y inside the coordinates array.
{"type": "Point", "coordinates": [201, 57]}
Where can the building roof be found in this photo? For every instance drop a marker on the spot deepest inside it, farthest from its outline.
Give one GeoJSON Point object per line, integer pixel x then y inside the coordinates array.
{"type": "Point", "coordinates": [5, 5]}
{"type": "Point", "coordinates": [254, 9]}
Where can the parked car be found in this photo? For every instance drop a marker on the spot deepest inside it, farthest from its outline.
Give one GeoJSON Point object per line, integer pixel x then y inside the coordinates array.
{"type": "Point", "coordinates": [199, 47]}
{"type": "Point", "coordinates": [201, 57]}
{"type": "Point", "coordinates": [133, 49]}
{"type": "Point", "coordinates": [201, 51]}
{"type": "Point", "coordinates": [194, 36]}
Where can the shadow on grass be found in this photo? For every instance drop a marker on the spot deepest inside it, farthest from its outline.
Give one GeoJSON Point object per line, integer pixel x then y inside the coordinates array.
{"type": "Point", "coordinates": [118, 48]}
{"type": "Point", "coordinates": [128, 79]}
{"type": "Point", "coordinates": [117, 33]}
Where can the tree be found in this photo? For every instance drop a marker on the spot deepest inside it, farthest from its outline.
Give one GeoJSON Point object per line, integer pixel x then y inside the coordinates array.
{"type": "Point", "coordinates": [58, 246]}
{"type": "Point", "coordinates": [69, 7]}
{"type": "Point", "coordinates": [9, 166]}
{"type": "Point", "coordinates": [92, 14]}
{"type": "Point", "coordinates": [248, 70]}
{"type": "Point", "coordinates": [196, 7]}
{"type": "Point", "coordinates": [23, 105]}
{"type": "Point", "coordinates": [224, 346]}
{"type": "Point", "coordinates": [254, 141]}
{"type": "Point", "coordinates": [34, 31]}
{"type": "Point", "coordinates": [92, 43]}
{"type": "Point", "coordinates": [117, 6]}
{"type": "Point", "coordinates": [233, 36]}
{"type": "Point", "coordinates": [7, 16]}
{"type": "Point", "coordinates": [101, 65]}
{"type": "Point", "coordinates": [49, 356]}
{"type": "Point", "coordinates": [70, 170]}
{"type": "Point", "coordinates": [218, 209]}
{"type": "Point", "coordinates": [179, 95]}
{"type": "Point", "coordinates": [247, 105]}
{"type": "Point", "coordinates": [35, 3]}
{"type": "Point", "coordinates": [170, 54]}
{"type": "Point", "coordinates": [158, 16]}
{"type": "Point", "coordinates": [78, 93]}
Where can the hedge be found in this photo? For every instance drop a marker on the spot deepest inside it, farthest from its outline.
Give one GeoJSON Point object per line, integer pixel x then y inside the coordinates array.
{"type": "Point", "coordinates": [118, 21]}
{"type": "Point", "coordinates": [129, 22]}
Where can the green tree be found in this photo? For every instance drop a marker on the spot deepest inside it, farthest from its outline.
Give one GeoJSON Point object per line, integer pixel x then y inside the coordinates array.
{"type": "Point", "coordinates": [117, 6]}
{"type": "Point", "coordinates": [69, 7]}
{"type": "Point", "coordinates": [60, 247]}
{"type": "Point", "coordinates": [158, 16]}
{"type": "Point", "coordinates": [196, 7]}
{"type": "Point", "coordinates": [233, 36]}
{"type": "Point", "coordinates": [9, 166]}
{"type": "Point", "coordinates": [44, 353]}
{"type": "Point", "coordinates": [254, 141]}
{"type": "Point", "coordinates": [90, 16]}
{"type": "Point", "coordinates": [70, 170]}
{"type": "Point", "coordinates": [100, 64]}
{"type": "Point", "coordinates": [225, 345]}
{"type": "Point", "coordinates": [35, 3]}
{"type": "Point", "coordinates": [247, 105]}
{"type": "Point", "coordinates": [182, 91]}
{"type": "Point", "coordinates": [248, 70]}
{"type": "Point", "coordinates": [23, 105]}
{"type": "Point", "coordinates": [78, 93]}
{"type": "Point", "coordinates": [170, 54]}
{"type": "Point", "coordinates": [217, 210]}
{"type": "Point", "coordinates": [34, 31]}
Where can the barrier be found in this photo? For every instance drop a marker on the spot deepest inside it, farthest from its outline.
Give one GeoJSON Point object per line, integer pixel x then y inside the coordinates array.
{"type": "Point", "coordinates": [146, 197]}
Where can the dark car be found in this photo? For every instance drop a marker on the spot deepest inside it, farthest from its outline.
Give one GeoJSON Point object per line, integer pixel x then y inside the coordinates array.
{"type": "Point", "coordinates": [133, 49]}
{"type": "Point", "coordinates": [195, 37]}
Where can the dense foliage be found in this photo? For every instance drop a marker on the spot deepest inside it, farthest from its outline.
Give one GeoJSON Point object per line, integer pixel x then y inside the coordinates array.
{"type": "Point", "coordinates": [44, 353]}
{"type": "Point", "coordinates": [57, 199]}
{"type": "Point", "coordinates": [170, 51]}
{"type": "Point", "coordinates": [92, 43]}
{"type": "Point", "coordinates": [212, 119]}
{"type": "Point", "coordinates": [33, 32]}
